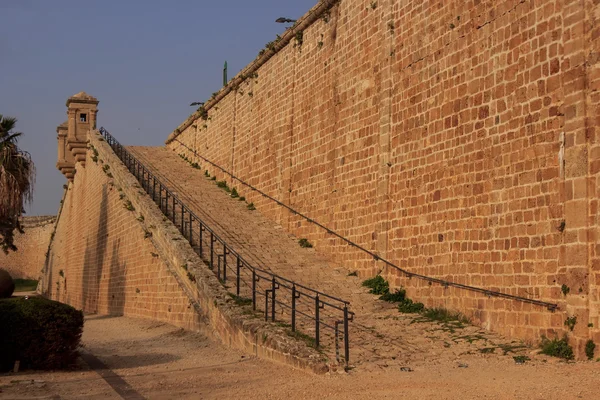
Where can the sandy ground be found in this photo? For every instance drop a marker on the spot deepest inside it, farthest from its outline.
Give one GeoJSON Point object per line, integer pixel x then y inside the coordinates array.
{"type": "Point", "coordinates": [145, 359]}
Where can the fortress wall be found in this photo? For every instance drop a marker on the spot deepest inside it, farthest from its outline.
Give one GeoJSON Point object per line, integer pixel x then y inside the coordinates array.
{"type": "Point", "coordinates": [114, 253]}
{"type": "Point", "coordinates": [101, 262]}
{"type": "Point", "coordinates": [28, 261]}
{"type": "Point", "coordinates": [456, 139]}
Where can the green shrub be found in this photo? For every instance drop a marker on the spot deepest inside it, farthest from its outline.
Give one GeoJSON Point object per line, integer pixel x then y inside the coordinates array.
{"type": "Point", "coordinates": [407, 306]}
{"type": "Point", "coordinates": [396, 297]}
{"type": "Point", "coordinates": [557, 348]}
{"type": "Point", "coordinates": [304, 243]}
{"type": "Point", "coordinates": [40, 333]}
{"type": "Point", "coordinates": [7, 285]}
{"type": "Point", "coordinates": [378, 285]}
{"type": "Point", "coordinates": [590, 346]}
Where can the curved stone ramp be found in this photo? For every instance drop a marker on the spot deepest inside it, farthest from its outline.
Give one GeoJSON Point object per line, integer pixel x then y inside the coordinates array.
{"type": "Point", "coordinates": [380, 336]}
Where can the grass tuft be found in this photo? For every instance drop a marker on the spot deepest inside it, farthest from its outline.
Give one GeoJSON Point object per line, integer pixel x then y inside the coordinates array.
{"type": "Point", "coordinates": [444, 315]}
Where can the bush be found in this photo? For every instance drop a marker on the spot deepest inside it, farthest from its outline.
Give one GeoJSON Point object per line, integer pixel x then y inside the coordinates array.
{"type": "Point", "coordinates": [557, 348]}
{"type": "Point", "coordinates": [7, 285]}
{"type": "Point", "coordinates": [396, 297]}
{"type": "Point", "coordinates": [407, 306]}
{"type": "Point", "coordinates": [590, 346]}
{"type": "Point", "coordinates": [378, 285]}
{"type": "Point", "coordinates": [41, 333]}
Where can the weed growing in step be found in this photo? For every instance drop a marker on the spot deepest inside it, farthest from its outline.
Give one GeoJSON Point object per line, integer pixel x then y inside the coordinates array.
{"type": "Point", "coordinates": [140, 218]}
{"type": "Point", "coordinates": [184, 266]}
{"type": "Point", "coordinates": [251, 207]}
{"type": "Point", "coordinates": [234, 193]}
{"type": "Point", "coordinates": [521, 359]}
{"type": "Point", "coordinates": [355, 273]}
{"type": "Point", "coordinates": [222, 185]}
{"type": "Point", "coordinates": [407, 306]}
{"type": "Point", "coordinates": [191, 277]}
{"type": "Point", "coordinates": [128, 206]}
{"type": "Point", "coordinates": [240, 301]}
{"type": "Point", "coordinates": [304, 243]}
{"type": "Point", "coordinates": [565, 289]}
{"type": "Point", "coordinates": [557, 348]}
{"type": "Point", "coordinates": [444, 315]}
{"type": "Point", "coordinates": [487, 350]}
{"type": "Point", "coordinates": [378, 285]}
{"type": "Point", "coordinates": [398, 296]}
{"type": "Point", "coordinates": [590, 346]}
{"type": "Point", "coordinates": [309, 340]}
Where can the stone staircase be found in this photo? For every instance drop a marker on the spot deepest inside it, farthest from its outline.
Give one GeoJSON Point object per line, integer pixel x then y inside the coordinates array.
{"type": "Point", "coordinates": [380, 336]}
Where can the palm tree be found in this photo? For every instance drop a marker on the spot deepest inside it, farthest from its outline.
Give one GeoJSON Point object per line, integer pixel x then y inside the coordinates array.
{"type": "Point", "coordinates": [17, 176]}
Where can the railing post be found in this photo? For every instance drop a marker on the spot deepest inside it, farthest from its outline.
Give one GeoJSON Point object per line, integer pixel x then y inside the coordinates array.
{"type": "Point", "coordinates": [267, 305]}
{"type": "Point", "coordinates": [160, 197]}
{"type": "Point", "coordinates": [346, 337]}
{"type": "Point", "coordinates": [253, 289]}
{"type": "Point", "coordinates": [191, 231]}
{"type": "Point", "coordinates": [273, 287]}
{"type": "Point", "coordinates": [182, 217]}
{"type": "Point", "coordinates": [166, 211]}
{"type": "Point", "coordinates": [212, 243]}
{"type": "Point", "coordinates": [317, 327]}
{"type": "Point", "coordinates": [153, 188]}
{"type": "Point", "coordinates": [200, 243]}
{"type": "Point", "coordinates": [174, 210]}
{"type": "Point", "coordinates": [293, 307]}
{"type": "Point", "coordinates": [224, 263]}
{"type": "Point", "coordinates": [237, 276]}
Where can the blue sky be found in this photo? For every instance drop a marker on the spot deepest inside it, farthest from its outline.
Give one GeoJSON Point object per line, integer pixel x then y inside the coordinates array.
{"type": "Point", "coordinates": [144, 60]}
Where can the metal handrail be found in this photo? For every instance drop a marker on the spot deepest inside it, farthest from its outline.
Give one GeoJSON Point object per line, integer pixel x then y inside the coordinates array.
{"type": "Point", "coordinates": [376, 257]}
{"type": "Point", "coordinates": [317, 299]}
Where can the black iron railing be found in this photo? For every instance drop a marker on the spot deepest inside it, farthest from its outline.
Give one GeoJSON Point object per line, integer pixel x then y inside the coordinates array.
{"type": "Point", "coordinates": [313, 315]}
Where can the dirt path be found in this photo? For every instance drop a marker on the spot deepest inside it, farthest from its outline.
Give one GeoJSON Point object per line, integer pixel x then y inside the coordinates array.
{"type": "Point", "coordinates": [159, 361]}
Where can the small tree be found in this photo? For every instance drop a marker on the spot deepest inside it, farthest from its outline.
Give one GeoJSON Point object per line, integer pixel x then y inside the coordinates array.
{"type": "Point", "coordinates": [17, 176]}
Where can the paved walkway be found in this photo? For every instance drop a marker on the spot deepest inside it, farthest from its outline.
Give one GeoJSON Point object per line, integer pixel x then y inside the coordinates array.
{"type": "Point", "coordinates": [380, 335]}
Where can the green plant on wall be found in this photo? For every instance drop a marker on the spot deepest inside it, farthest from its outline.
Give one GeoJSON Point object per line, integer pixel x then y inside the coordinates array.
{"type": "Point", "coordinates": [590, 346]}
{"type": "Point", "coordinates": [570, 322]}
{"type": "Point", "coordinates": [299, 39]}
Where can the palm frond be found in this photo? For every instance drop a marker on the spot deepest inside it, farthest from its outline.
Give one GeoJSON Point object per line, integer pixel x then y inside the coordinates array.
{"type": "Point", "coordinates": [17, 177]}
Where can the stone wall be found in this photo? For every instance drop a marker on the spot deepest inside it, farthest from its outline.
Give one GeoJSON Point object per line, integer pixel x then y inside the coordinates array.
{"type": "Point", "coordinates": [114, 253]}
{"type": "Point", "coordinates": [27, 262]}
{"type": "Point", "coordinates": [456, 139]}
